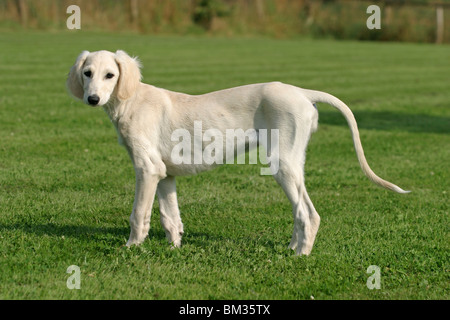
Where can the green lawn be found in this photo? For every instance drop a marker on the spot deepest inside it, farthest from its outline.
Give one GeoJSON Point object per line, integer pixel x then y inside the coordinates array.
{"type": "Point", "coordinates": [67, 187]}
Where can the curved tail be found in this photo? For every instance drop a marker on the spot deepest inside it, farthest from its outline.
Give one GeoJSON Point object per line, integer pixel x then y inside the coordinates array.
{"type": "Point", "coordinates": [318, 96]}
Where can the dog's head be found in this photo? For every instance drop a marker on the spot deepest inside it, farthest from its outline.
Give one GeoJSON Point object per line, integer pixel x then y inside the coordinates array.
{"type": "Point", "coordinates": [97, 77]}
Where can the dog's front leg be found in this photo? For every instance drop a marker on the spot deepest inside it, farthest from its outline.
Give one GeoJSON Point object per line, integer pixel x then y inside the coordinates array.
{"type": "Point", "coordinates": [146, 184]}
{"type": "Point", "coordinates": [170, 214]}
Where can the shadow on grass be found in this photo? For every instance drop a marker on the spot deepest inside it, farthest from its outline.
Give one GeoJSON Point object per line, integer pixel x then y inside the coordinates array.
{"type": "Point", "coordinates": [214, 241]}
{"type": "Point", "coordinates": [112, 237]}
{"type": "Point", "coordinates": [74, 231]}
{"type": "Point", "coordinates": [390, 121]}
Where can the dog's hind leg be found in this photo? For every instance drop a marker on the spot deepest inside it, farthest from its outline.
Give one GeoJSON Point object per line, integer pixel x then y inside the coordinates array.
{"type": "Point", "coordinates": [290, 177]}
{"type": "Point", "coordinates": [170, 213]}
{"type": "Point", "coordinates": [306, 219]}
{"type": "Point", "coordinates": [313, 215]}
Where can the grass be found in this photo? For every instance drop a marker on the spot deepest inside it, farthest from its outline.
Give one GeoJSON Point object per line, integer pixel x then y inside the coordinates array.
{"type": "Point", "coordinates": [67, 187]}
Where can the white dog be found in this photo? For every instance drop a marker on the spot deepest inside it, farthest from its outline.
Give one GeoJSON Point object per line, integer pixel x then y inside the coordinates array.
{"type": "Point", "coordinates": [146, 116]}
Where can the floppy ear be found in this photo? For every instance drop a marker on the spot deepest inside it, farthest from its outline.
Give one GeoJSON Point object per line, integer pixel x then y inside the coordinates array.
{"type": "Point", "coordinates": [130, 75]}
{"type": "Point", "coordinates": [74, 79]}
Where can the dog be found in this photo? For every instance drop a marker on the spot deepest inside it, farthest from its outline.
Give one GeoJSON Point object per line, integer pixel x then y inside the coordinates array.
{"type": "Point", "coordinates": [145, 117]}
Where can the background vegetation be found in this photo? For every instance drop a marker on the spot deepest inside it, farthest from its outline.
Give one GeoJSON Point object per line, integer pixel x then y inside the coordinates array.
{"type": "Point", "coordinates": [413, 20]}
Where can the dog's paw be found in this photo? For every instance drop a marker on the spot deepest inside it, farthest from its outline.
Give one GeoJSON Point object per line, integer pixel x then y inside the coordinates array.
{"type": "Point", "coordinates": [303, 253]}
{"type": "Point", "coordinates": [175, 244]}
{"type": "Point", "coordinates": [129, 243]}
{"type": "Point", "coordinates": [293, 245]}
{"type": "Point", "coordinates": [134, 241]}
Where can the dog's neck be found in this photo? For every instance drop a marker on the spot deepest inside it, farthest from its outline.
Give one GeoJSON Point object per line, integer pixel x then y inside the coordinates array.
{"type": "Point", "coordinates": [115, 109]}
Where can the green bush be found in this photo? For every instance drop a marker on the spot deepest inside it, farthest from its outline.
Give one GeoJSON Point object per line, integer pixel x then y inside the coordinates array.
{"type": "Point", "coordinates": [206, 10]}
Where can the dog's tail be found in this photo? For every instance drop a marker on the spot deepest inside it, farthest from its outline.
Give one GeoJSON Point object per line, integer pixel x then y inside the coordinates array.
{"type": "Point", "coordinates": [318, 96]}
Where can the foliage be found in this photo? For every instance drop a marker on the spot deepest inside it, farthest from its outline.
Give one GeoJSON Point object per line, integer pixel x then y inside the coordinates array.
{"type": "Point", "coordinates": [401, 21]}
{"type": "Point", "coordinates": [207, 10]}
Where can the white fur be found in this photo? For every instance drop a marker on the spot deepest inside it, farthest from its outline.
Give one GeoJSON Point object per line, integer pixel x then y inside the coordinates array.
{"type": "Point", "coordinates": [145, 117]}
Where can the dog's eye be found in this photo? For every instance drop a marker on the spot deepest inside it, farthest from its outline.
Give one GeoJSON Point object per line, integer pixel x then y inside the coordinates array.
{"type": "Point", "coordinates": [88, 74]}
{"type": "Point", "coordinates": [109, 75]}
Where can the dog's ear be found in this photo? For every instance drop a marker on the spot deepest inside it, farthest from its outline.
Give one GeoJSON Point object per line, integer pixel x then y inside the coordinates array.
{"type": "Point", "coordinates": [130, 75]}
{"type": "Point", "coordinates": [74, 79]}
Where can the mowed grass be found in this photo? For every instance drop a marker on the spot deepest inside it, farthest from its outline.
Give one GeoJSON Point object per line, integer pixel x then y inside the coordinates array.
{"type": "Point", "coordinates": [67, 187]}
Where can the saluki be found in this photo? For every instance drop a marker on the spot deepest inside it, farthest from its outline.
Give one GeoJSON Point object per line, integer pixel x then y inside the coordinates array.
{"type": "Point", "coordinates": [145, 118]}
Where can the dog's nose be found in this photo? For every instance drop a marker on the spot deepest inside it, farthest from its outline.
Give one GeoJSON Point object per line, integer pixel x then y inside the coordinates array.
{"type": "Point", "coordinates": [93, 100]}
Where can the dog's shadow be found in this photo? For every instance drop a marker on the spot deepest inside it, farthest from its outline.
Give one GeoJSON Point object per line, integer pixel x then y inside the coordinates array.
{"type": "Point", "coordinates": [215, 242]}
{"type": "Point", "coordinates": [390, 121]}
{"type": "Point", "coordinates": [68, 231]}
{"type": "Point", "coordinates": [117, 235]}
